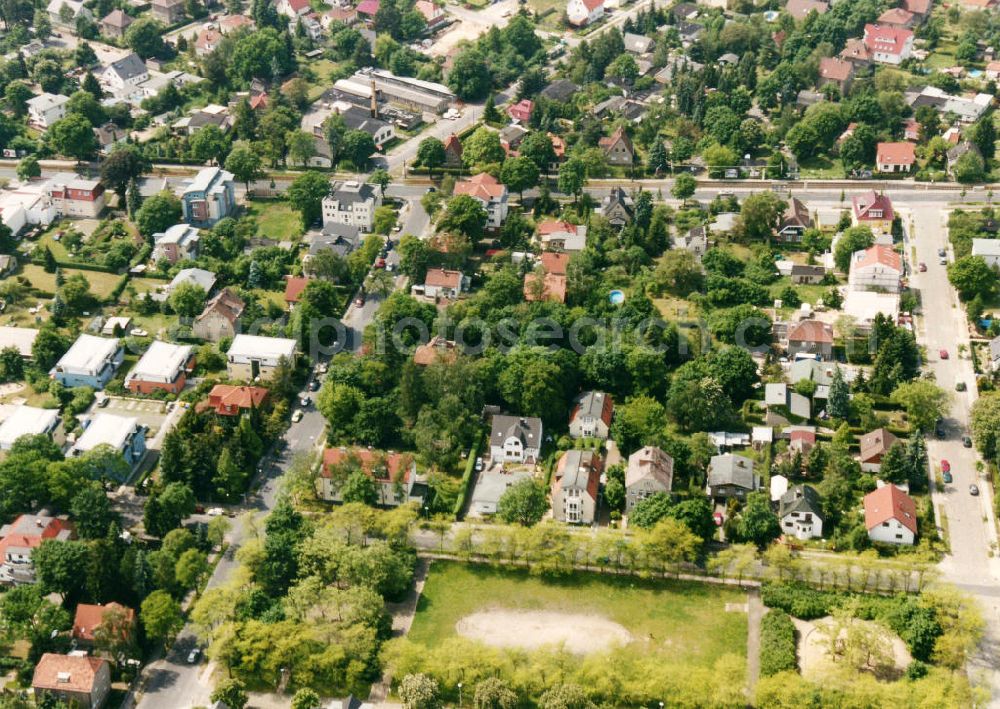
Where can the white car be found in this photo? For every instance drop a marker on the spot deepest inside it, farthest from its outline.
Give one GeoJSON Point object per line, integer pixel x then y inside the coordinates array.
{"type": "Point", "coordinates": [215, 512]}
{"type": "Point", "coordinates": [193, 656]}
{"type": "Point", "coordinates": [297, 415]}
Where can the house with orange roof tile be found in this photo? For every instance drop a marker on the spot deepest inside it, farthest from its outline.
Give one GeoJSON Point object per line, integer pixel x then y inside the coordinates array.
{"type": "Point", "coordinates": [890, 516]}
{"type": "Point", "coordinates": [895, 157]}
{"type": "Point", "coordinates": [294, 286]}
{"type": "Point", "coordinates": [19, 538]}
{"type": "Point", "coordinates": [489, 192]}
{"type": "Point", "coordinates": [591, 416]}
{"type": "Point", "coordinates": [810, 337]}
{"type": "Point", "coordinates": [394, 473]}
{"type": "Point", "coordinates": [78, 680]}
{"type": "Point", "coordinates": [888, 45]}
{"type": "Point", "coordinates": [229, 400]}
{"type": "Point", "coordinates": [878, 268]}
{"type": "Point", "coordinates": [89, 617]}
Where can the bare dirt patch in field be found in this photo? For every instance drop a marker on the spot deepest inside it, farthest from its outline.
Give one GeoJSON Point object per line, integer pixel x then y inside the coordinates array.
{"type": "Point", "coordinates": [814, 652]}
{"type": "Point", "coordinates": [529, 630]}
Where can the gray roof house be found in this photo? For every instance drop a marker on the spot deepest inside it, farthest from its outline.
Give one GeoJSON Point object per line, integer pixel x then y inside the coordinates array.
{"type": "Point", "coordinates": [637, 43]}
{"type": "Point", "coordinates": [731, 475]}
{"type": "Point", "coordinates": [560, 90]}
{"type": "Point", "coordinates": [515, 439]}
{"type": "Point", "coordinates": [490, 487]}
{"type": "Point", "coordinates": [800, 513]}
{"type": "Point", "coordinates": [780, 394]}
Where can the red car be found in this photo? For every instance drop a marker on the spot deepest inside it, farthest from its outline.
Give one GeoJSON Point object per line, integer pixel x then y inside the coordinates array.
{"type": "Point", "coordinates": [943, 354]}
{"type": "Point", "coordinates": [380, 263]}
{"type": "Point", "coordinates": [717, 516]}
{"type": "Point", "coordinates": [922, 267]}
{"type": "Point", "coordinates": [945, 466]}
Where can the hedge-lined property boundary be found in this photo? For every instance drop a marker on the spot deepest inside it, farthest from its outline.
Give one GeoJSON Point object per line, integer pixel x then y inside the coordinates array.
{"type": "Point", "coordinates": [777, 644]}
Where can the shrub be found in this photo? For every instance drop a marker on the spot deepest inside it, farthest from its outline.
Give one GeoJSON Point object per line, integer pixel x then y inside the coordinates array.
{"type": "Point", "coordinates": [777, 644]}
{"type": "Point", "coordinates": [797, 600]}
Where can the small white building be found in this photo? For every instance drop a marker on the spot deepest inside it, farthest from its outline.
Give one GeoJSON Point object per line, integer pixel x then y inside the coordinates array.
{"type": "Point", "coordinates": [890, 516]}
{"type": "Point", "coordinates": [27, 421]}
{"type": "Point", "coordinates": [515, 439]}
{"type": "Point", "coordinates": [649, 471]}
{"type": "Point", "coordinates": [45, 109]}
{"type": "Point", "coordinates": [253, 356]}
{"type": "Point", "coordinates": [123, 433]}
{"type": "Point", "coordinates": [490, 487]}
{"type": "Point", "coordinates": [988, 250]}
{"type": "Point", "coordinates": [177, 243]}
{"type": "Point", "coordinates": [90, 361]}
{"type": "Point", "coordinates": [123, 77]}
{"type": "Point", "coordinates": [800, 513]}
{"type": "Point", "coordinates": [20, 338]}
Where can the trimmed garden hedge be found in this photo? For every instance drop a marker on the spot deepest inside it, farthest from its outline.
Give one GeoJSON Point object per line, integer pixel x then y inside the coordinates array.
{"type": "Point", "coordinates": [777, 644]}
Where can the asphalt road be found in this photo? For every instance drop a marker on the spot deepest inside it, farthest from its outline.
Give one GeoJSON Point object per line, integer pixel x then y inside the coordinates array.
{"type": "Point", "coordinates": [971, 564]}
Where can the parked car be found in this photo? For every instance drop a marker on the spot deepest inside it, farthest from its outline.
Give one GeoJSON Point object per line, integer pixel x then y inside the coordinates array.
{"type": "Point", "coordinates": [939, 429]}
{"type": "Point", "coordinates": [946, 477]}
{"type": "Point", "coordinates": [297, 415]}
{"type": "Point", "coordinates": [199, 509]}
{"type": "Point", "coordinates": [922, 267]}
{"type": "Point", "coordinates": [359, 301]}
{"type": "Point", "coordinates": [966, 441]}
{"type": "Point", "coordinates": [216, 512]}
{"type": "Point", "coordinates": [479, 465]}
{"type": "Point", "coordinates": [194, 655]}
{"type": "Point", "coordinates": [943, 354]}
{"type": "Point", "coordinates": [305, 401]}
{"type": "Point", "coordinates": [959, 386]}
{"type": "Point", "coordinates": [314, 385]}
{"type": "Point", "coordinates": [717, 518]}
{"type": "Point", "coordinates": [942, 252]}
{"type": "Point", "coordinates": [974, 490]}
{"type": "Point", "coordinates": [945, 466]}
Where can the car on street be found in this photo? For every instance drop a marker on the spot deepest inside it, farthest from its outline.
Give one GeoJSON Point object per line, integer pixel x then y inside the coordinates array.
{"type": "Point", "coordinates": [945, 466]}
{"type": "Point", "coordinates": [215, 512]}
{"type": "Point", "coordinates": [479, 465]}
{"type": "Point", "coordinates": [966, 441]}
{"type": "Point", "coordinates": [380, 263]}
{"type": "Point", "coordinates": [943, 354]}
{"type": "Point", "coordinates": [942, 253]}
{"type": "Point", "coordinates": [922, 267]}
{"type": "Point", "coordinates": [717, 518]}
{"type": "Point", "coordinates": [305, 401]}
{"type": "Point", "coordinates": [939, 428]}
{"type": "Point", "coordinates": [193, 656]}
{"type": "Point", "coordinates": [397, 228]}
{"type": "Point", "coordinates": [297, 415]}
{"type": "Point", "coordinates": [314, 385]}
{"type": "Point", "coordinates": [943, 261]}
{"type": "Point", "coordinates": [946, 477]}
{"type": "Point", "coordinates": [974, 490]}
{"type": "Point", "coordinates": [359, 301]}
{"type": "Point", "coordinates": [199, 509]}
{"type": "Point", "coordinates": [960, 386]}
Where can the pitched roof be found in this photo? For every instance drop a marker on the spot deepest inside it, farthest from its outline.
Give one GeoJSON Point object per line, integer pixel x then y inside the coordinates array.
{"type": "Point", "coordinates": [887, 40]}
{"type": "Point", "coordinates": [729, 469]}
{"type": "Point", "coordinates": [811, 331]}
{"type": "Point", "coordinates": [453, 144]}
{"type": "Point", "coordinates": [129, 67]}
{"type": "Point", "coordinates": [438, 348]}
{"type": "Point", "coordinates": [28, 531]}
{"type": "Point", "coordinates": [443, 278]}
{"type": "Point", "coordinates": [619, 136]}
{"type": "Point", "coordinates": [368, 7]}
{"type": "Point", "coordinates": [482, 186]}
{"type": "Point", "coordinates": [869, 201]}
{"type": "Point", "coordinates": [876, 443]}
{"type": "Point", "coordinates": [67, 673]}
{"type": "Point", "coordinates": [389, 466]}
{"type": "Point", "coordinates": [89, 616]}
{"type": "Point", "coordinates": [801, 498]}
{"type": "Point", "coordinates": [578, 469]}
{"type": "Point", "coordinates": [553, 287]}
{"type": "Point", "coordinates": [561, 90]}
{"type": "Point", "coordinates": [917, 7]}
{"type": "Point", "coordinates": [555, 262]}
{"type": "Point", "coordinates": [835, 69]}
{"type": "Point", "coordinates": [225, 303]}
{"type": "Point", "coordinates": [889, 502]}
{"type": "Point", "coordinates": [117, 18]}
{"type": "Point", "coordinates": [796, 214]}
{"type": "Point", "coordinates": [207, 38]}
{"type": "Point", "coordinates": [650, 461]}
{"type": "Point", "coordinates": [294, 285]}
{"type": "Point", "coordinates": [895, 16]}
{"type": "Point", "coordinates": [800, 9]}
{"type": "Point", "coordinates": [856, 49]}
{"type": "Point", "coordinates": [595, 404]}
{"type": "Point", "coordinates": [899, 153]}
{"type": "Point", "coordinates": [592, 5]}
{"type": "Point", "coordinates": [528, 429]}
{"type": "Point", "coordinates": [878, 255]}
{"type": "Point", "coordinates": [226, 398]}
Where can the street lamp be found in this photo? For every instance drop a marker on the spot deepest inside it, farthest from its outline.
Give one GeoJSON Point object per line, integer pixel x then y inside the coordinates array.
{"type": "Point", "coordinates": [459, 694]}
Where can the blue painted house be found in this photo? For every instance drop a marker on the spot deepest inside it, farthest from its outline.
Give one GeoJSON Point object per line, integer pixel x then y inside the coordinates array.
{"type": "Point", "coordinates": [122, 433]}
{"type": "Point", "coordinates": [91, 361]}
{"type": "Point", "coordinates": [209, 197]}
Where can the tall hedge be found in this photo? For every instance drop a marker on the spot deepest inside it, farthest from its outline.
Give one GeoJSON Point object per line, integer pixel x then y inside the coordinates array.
{"type": "Point", "coordinates": [777, 644]}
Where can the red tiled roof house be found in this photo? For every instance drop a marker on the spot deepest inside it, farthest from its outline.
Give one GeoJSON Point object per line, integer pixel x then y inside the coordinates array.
{"type": "Point", "coordinates": [810, 337]}
{"type": "Point", "coordinates": [394, 473]}
{"type": "Point", "coordinates": [79, 681]}
{"type": "Point", "coordinates": [895, 157]}
{"type": "Point", "coordinates": [890, 516]}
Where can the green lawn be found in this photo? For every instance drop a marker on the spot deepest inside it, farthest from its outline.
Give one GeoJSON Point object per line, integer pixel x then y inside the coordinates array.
{"type": "Point", "coordinates": [821, 167]}
{"type": "Point", "coordinates": [275, 220]}
{"type": "Point", "coordinates": [687, 622]}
